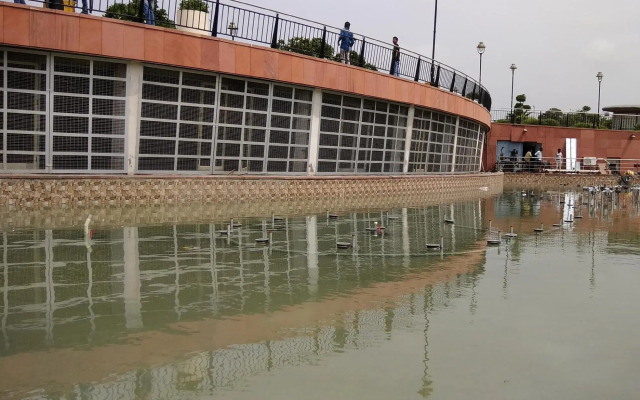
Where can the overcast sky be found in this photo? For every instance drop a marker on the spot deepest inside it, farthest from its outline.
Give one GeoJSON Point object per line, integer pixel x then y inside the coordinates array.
{"type": "Point", "coordinates": [558, 46]}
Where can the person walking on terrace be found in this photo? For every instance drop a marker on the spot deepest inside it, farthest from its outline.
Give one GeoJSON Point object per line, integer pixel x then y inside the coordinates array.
{"type": "Point", "coordinates": [395, 58]}
{"type": "Point", "coordinates": [559, 159]}
{"type": "Point", "coordinates": [345, 41]}
{"type": "Point", "coordinates": [149, 12]}
{"type": "Point", "coordinates": [87, 6]}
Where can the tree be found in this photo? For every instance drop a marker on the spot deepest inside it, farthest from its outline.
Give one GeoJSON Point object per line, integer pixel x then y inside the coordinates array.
{"type": "Point", "coordinates": [129, 12]}
{"type": "Point", "coordinates": [585, 109]}
{"type": "Point", "coordinates": [520, 110]}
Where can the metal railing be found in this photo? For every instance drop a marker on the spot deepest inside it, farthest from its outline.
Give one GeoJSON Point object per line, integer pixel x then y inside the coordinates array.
{"type": "Point", "coordinates": [585, 165]}
{"type": "Point", "coordinates": [280, 31]}
{"type": "Point", "coordinates": [551, 118]}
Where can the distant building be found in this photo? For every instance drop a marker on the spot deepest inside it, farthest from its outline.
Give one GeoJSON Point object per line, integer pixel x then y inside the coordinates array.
{"type": "Point", "coordinates": [624, 117]}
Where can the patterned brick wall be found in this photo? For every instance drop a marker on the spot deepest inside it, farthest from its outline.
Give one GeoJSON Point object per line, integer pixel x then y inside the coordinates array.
{"type": "Point", "coordinates": [541, 181]}
{"type": "Point", "coordinates": [66, 201]}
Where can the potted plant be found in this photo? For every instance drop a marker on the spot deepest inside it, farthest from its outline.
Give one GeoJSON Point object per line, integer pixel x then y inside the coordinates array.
{"type": "Point", "coordinates": [193, 16]}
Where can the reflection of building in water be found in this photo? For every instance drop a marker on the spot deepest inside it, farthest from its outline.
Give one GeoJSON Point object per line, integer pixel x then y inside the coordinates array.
{"type": "Point", "coordinates": [210, 372]}
{"type": "Point", "coordinates": [59, 289]}
{"type": "Point", "coordinates": [62, 290]}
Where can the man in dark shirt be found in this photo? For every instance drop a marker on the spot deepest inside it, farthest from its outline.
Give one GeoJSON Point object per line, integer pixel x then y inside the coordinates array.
{"type": "Point", "coordinates": [395, 58]}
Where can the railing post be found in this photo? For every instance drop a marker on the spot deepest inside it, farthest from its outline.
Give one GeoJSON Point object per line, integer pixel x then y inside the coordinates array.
{"type": "Point", "coordinates": [274, 39]}
{"type": "Point", "coordinates": [437, 83]}
{"type": "Point", "coordinates": [453, 82]}
{"type": "Point", "coordinates": [566, 124]}
{"type": "Point", "coordinates": [214, 29]}
{"type": "Point", "coordinates": [362, 53]}
{"type": "Point", "coordinates": [324, 41]}
{"type": "Point", "coordinates": [417, 71]}
{"type": "Point", "coordinates": [464, 87]}
{"type": "Point", "coordinates": [432, 75]}
{"type": "Point", "coordinates": [141, 11]}
{"type": "Point", "coordinates": [540, 119]}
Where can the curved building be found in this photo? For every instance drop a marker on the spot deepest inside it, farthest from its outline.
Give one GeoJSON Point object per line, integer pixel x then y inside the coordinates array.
{"type": "Point", "coordinates": [83, 94]}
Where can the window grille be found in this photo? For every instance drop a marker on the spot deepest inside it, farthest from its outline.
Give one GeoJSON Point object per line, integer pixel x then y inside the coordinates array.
{"type": "Point", "coordinates": [88, 116]}
{"type": "Point", "coordinates": [177, 120]}
{"type": "Point", "coordinates": [262, 127]}
{"type": "Point", "coordinates": [468, 147]}
{"type": "Point", "coordinates": [23, 111]}
{"type": "Point", "coordinates": [432, 140]}
{"type": "Point", "coordinates": [68, 114]}
{"type": "Point", "coordinates": [360, 135]}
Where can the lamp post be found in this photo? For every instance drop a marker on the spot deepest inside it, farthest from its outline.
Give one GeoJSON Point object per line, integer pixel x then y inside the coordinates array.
{"type": "Point", "coordinates": [433, 47]}
{"type": "Point", "coordinates": [513, 72]}
{"type": "Point", "coordinates": [233, 28]}
{"type": "Point", "coordinates": [481, 47]}
{"type": "Point", "coordinates": [599, 75]}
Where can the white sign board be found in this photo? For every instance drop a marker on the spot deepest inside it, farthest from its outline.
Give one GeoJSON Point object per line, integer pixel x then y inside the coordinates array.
{"type": "Point", "coordinates": [571, 154]}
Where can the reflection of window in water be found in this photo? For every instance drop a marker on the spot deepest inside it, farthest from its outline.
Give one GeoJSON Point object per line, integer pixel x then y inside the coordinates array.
{"type": "Point", "coordinates": [516, 204]}
{"type": "Point", "coordinates": [143, 279]}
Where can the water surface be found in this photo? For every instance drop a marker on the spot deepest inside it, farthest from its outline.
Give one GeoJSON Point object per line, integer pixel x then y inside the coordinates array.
{"type": "Point", "coordinates": [183, 311]}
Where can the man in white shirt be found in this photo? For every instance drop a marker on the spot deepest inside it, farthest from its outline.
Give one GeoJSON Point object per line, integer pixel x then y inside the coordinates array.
{"type": "Point", "coordinates": [538, 156]}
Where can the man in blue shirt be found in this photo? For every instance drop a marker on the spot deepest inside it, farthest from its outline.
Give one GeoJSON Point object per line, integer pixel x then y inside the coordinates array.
{"type": "Point", "coordinates": [345, 41]}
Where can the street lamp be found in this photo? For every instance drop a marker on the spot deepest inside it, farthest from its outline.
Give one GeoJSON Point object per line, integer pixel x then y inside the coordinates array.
{"type": "Point", "coordinates": [599, 76]}
{"type": "Point", "coordinates": [481, 47]}
{"type": "Point", "coordinates": [233, 29]}
{"type": "Point", "coordinates": [513, 71]}
{"type": "Point", "coordinates": [433, 48]}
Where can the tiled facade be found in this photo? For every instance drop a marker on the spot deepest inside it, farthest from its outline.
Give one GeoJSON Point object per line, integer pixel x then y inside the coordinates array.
{"type": "Point", "coordinates": [543, 181]}
{"type": "Point", "coordinates": [66, 201]}
{"type": "Point", "coordinates": [45, 29]}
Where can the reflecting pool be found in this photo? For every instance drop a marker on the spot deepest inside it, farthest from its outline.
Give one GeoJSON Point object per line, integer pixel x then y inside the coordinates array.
{"type": "Point", "coordinates": [184, 311]}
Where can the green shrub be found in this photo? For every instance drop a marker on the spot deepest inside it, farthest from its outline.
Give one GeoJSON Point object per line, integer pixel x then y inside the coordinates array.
{"type": "Point", "coordinates": [606, 124]}
{"type": "Point", "coordinates": [197, 5]}
{"type": "Point", "coordinates": [582, 125]}
{"type": "Point", "coordinates": [310, 47]}
{"type": "Point", "coordinates": [637, 127]}
{"type": "Point", "coordinates": [129, 12]}
{"type": "Point", "coordinates": [549, 122]}
{"type": "Point", "coordinates": [530, 121]}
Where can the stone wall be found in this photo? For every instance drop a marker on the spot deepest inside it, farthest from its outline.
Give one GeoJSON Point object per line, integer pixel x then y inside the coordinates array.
{"type": "Point", "coordinates": [559, 180]}
{"type": "Point", "coordinates": [63, 201]}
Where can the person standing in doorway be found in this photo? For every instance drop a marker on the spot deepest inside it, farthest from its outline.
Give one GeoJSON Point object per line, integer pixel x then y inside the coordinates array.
{"type": "Point", "coordinates": [395, 58]}
{"type": "Point", "coordinates": [559, 159]}
{"type": "Point", "coordinates": [527, 161]}
{"type": "Point", "coordinates": [345, 41]}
